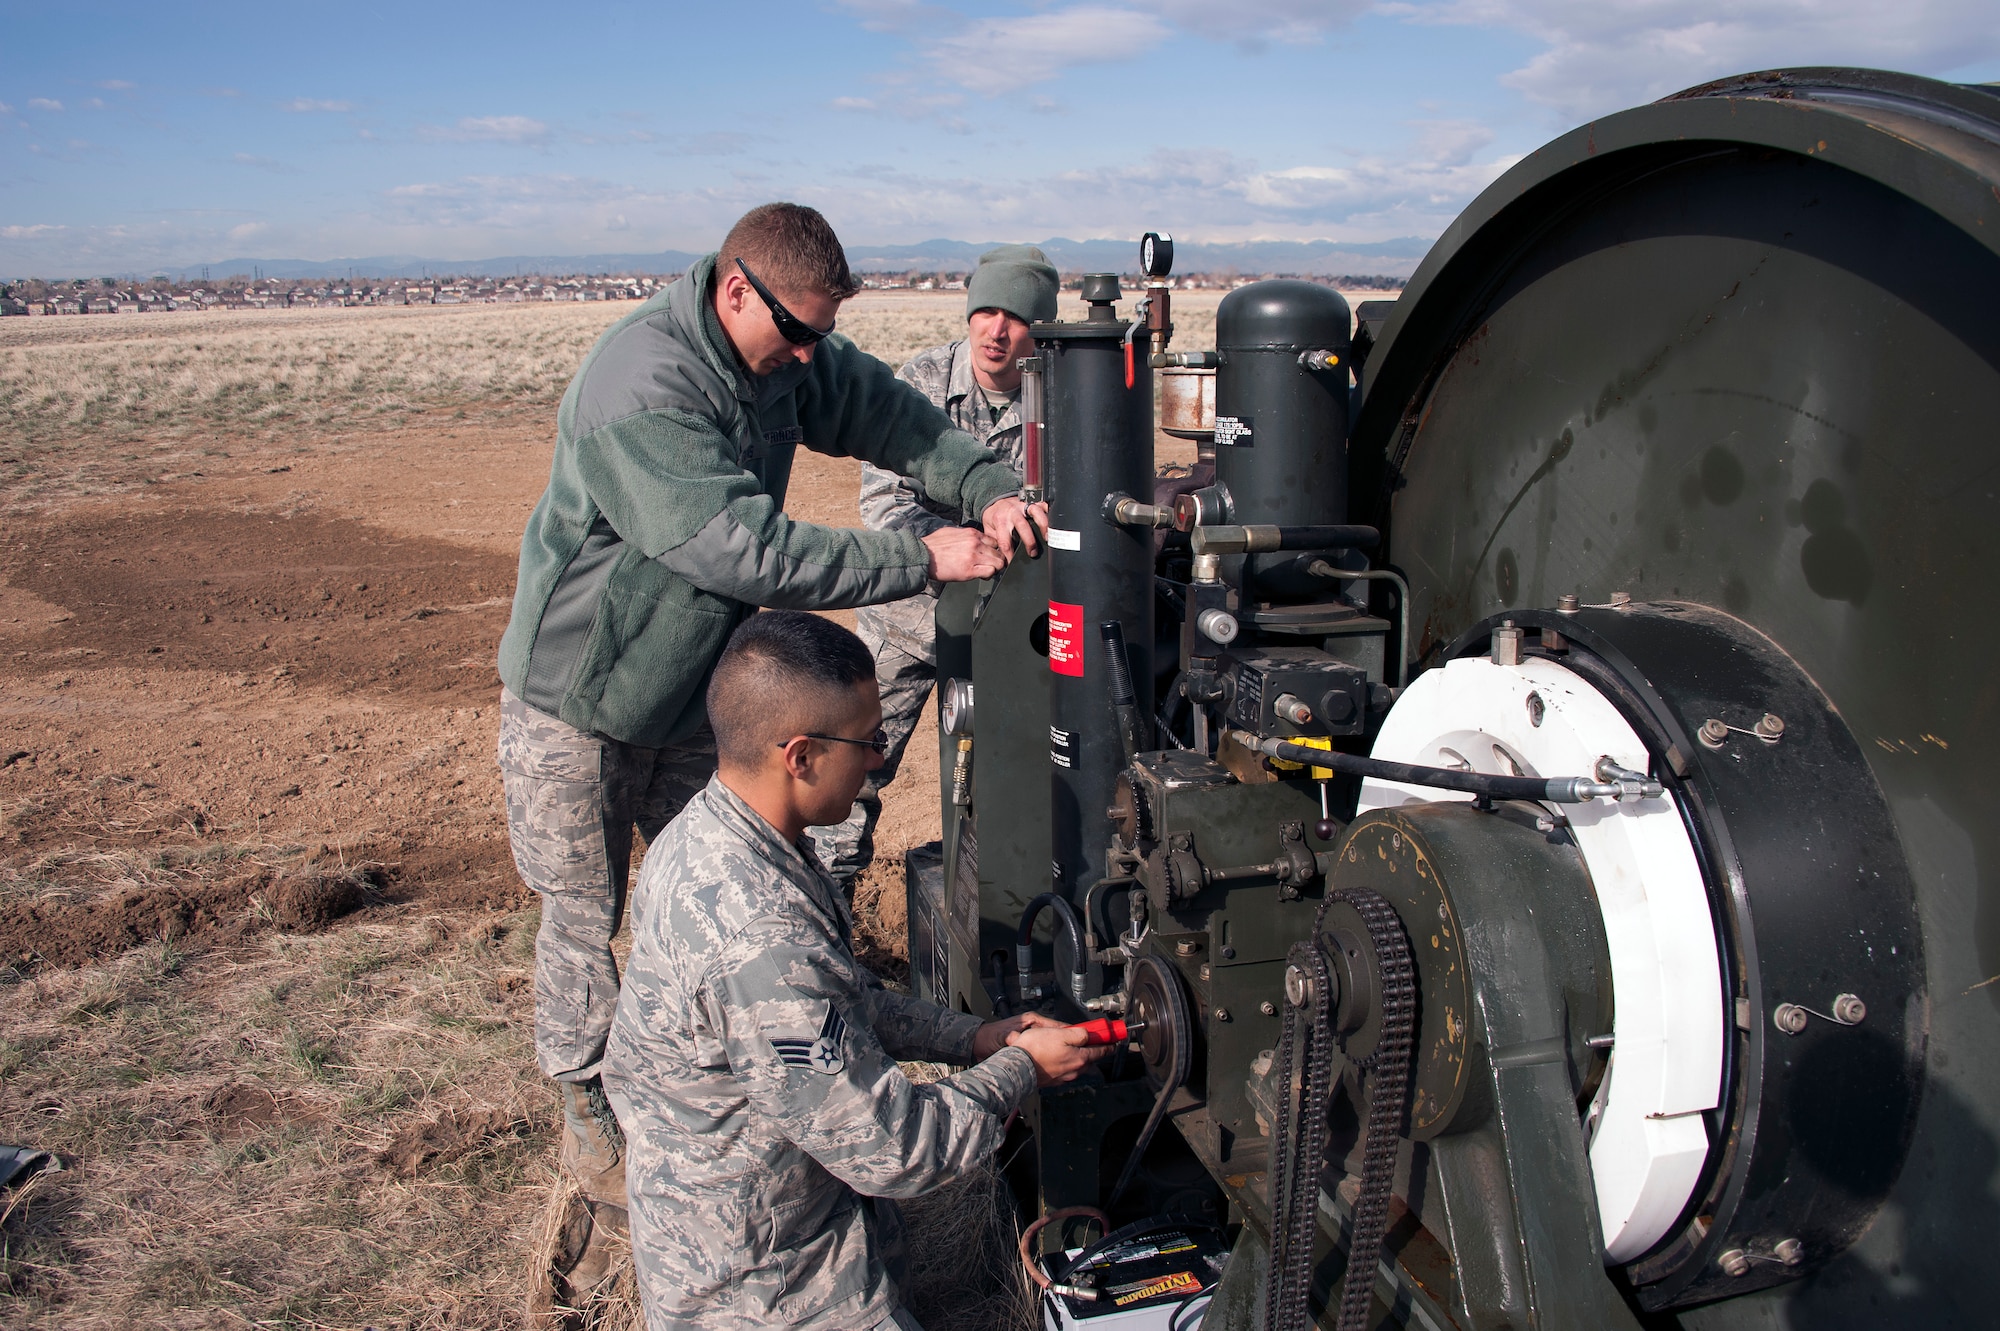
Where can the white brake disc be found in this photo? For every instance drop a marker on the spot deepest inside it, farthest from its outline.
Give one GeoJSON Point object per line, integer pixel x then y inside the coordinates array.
{"type": "Point", "coordinates": [1649, 1143]}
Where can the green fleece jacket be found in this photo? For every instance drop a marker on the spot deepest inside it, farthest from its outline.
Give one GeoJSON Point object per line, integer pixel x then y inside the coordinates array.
{"type": "Point", "coordinates": [663, 523]}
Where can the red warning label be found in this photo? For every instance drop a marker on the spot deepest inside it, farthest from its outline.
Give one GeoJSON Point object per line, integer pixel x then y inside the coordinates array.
{"type": "Point", "coordinates": [1065, 638]}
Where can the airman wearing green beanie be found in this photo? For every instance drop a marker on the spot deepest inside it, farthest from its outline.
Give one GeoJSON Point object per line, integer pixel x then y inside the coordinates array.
{"type": "Point", "coordinates": [1018, 279]}
{"type": "Point", "coordinates": [976, 381]}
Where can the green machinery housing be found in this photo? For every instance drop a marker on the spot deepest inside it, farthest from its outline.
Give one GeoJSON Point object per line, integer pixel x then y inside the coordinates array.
{"type": "Point", "coordinates": [1526, 788]}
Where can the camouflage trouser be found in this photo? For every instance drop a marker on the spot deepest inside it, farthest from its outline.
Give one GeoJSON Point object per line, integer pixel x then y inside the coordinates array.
{"type": "Point", "coordinates": [846, 848]}
{"type": "Point", "coordinates": [572, 801]}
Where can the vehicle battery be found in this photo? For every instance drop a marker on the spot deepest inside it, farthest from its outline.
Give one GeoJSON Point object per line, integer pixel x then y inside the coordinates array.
{"type": "Point", "coordinates": [1140, 1283]}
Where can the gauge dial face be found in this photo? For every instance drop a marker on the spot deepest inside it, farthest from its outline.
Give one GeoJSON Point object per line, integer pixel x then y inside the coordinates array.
{"type": "Point", "coordinates": [1156, 254]}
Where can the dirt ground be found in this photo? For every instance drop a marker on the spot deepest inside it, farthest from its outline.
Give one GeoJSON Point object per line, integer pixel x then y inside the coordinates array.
{"type": "Point", "coordinates": [263, 954]}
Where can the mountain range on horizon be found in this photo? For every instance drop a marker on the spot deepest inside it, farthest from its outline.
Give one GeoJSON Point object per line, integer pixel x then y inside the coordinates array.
{"type": "Point", "coordinates": [1393, 258]}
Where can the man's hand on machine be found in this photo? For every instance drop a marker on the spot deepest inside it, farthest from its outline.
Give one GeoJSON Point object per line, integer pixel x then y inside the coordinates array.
{"type": "Point", "coordinates": [963, 554]}
{"type": "Point", "coordinates": [1008, 520]}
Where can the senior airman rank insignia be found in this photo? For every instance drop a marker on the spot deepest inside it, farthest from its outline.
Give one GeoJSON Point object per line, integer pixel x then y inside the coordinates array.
{"type": "Point", "coordinates": [821, 1053]}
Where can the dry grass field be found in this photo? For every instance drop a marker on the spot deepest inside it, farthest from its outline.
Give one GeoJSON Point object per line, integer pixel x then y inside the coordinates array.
{"type": "Point", "coordinates": [263, 955]}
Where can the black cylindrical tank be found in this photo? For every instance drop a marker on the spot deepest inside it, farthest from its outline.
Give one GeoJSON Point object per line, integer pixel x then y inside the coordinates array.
{"type": "Point", "coordinates": [1098, 441]}
{"type": "Point", "coordinates": [1281, 425]}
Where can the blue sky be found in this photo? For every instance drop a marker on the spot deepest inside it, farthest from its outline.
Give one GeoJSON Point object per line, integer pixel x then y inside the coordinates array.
{"type": "Point", "coordinates": [149, 135]}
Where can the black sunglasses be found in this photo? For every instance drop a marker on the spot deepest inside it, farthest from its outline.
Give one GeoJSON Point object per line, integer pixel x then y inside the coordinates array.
{"type": "Point", "coordinates": [879, 742]}
{"type": "Point", "coordinates": [790, 327]}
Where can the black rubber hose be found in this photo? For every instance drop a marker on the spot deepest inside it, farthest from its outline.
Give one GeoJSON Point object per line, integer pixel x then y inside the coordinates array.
{"type": "Point", "coordinates": [1066, 921]}
{"type": "Point", "coordinates": [1557, 790]}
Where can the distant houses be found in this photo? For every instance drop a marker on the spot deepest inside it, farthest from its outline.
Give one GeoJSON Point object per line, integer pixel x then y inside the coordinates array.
{"type": "Point", "coordinates": [37, 297]}
{"type": "Point", "coordinates": [31, 296]}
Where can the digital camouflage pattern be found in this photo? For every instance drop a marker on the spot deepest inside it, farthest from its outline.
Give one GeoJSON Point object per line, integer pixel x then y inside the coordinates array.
{"type": "Point", "coordinates": [572, 801]}
{"type": "Point", "coordinates": [903, 634]}
{"type": "Point", "coordinates": [752, 1065]}
{"type": "Point", "coordinates": [905, 681]}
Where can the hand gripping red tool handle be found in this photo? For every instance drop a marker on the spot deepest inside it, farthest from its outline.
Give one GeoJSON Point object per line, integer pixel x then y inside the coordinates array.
{"type": "Point", "coordinates": [1109, 1030]}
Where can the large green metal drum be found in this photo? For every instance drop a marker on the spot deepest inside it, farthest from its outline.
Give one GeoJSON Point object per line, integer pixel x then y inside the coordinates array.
{"type": "Point", "coordinates": [1741, 348]}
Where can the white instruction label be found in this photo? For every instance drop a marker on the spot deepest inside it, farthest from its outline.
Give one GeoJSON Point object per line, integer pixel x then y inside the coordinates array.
{"type": "Point", "coordinates": [1061, 539]}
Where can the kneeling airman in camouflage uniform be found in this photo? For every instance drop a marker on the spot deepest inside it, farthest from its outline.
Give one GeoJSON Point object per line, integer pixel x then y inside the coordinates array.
{"type": "Point", "coordinates": [976, 381]}
{"type": "Point", "coordinates": [752, 1060]}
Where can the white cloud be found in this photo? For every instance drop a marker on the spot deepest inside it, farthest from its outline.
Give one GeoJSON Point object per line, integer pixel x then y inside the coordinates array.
{"type": "Point", "coordinates": [1603, 55]}
{"type": "Point", "coordinates": [247, 231]}
{"type": "Point", "coordinates": [487, 129]}
{"type": "Point", "coordinates": [5, 109]}
{"type": "Point", "coordinates": [1000, 55]}
{"type": "Point", "coordinates": [95, 103]}
{"type": "Point", "coordinates": [1252, 23]}
{"type": "Point", "coordinates": [32, 232]}
{"type": "Point", "coordinates": [308, 104]}
{"type": "Point", "coordinates": [45, 104]}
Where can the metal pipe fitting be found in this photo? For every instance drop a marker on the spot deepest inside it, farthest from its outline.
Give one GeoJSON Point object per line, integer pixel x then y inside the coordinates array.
{"type": "Point", "coordinates": [1219, 626]}
{"type": "Point", "coordinates": [1261, 536]}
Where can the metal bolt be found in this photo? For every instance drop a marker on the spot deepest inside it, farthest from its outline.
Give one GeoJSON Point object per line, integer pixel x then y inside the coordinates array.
{"type": "Point", "coordinates": [1507, 644]}
{"type": "Point", "coordinates": [1222, 1014]}
{"type": "Point", "coordinates": [1229, 954]}
{"type": "Point", "coordinates": [1789, 1018]}
{"type": "Point", "coordinates": [1187, 947]}
{"type": "Point", "coordinates": [1567, 603]}
{"type": "Point", "coordinates": [1204, 970]}
{"type": "Point", "coordinates": [1536, 709]}
{"type": "Point", "coordinates": [1268, 1008]}
{"type": "Point", "coordinates": [1789, 1251]}
{"type": "Point", "coordinates": [1619, 600]}
{"type": "Point", "coordinates": [1735, 1262]}
{"type": "Point", "coordinates": [1849, 1010]}
{"type": "Point", "coordinates": [1298, 986]}
{"type": "Point", "coordinates": [1713, 733]}
{"type": "Point", "coordinates": [1770, 728]}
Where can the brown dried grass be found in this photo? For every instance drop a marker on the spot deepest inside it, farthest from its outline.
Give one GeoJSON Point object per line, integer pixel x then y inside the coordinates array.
{"type": "Point", "coordinates": [229, 1119]}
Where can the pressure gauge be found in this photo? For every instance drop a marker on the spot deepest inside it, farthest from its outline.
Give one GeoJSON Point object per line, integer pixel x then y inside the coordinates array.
{"type": "Point", "coordinates": [1156, 254]}
{"type": "Point", "coordinates": [955, 707]}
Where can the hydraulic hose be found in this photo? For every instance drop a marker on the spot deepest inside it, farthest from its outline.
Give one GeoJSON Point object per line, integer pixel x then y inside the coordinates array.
{"type": "Point", "coordinates": [1610, 782]}
{"type": "Point", "coordinates": [1066, 921]}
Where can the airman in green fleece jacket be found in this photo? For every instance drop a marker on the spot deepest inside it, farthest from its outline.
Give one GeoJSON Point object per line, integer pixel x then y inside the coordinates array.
{"type": "Point", "coordinates": [662, 527]}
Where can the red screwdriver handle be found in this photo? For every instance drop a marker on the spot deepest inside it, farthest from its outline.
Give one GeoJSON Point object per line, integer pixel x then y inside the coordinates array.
{"type": "Point", "coordinates": [1104, 1030]}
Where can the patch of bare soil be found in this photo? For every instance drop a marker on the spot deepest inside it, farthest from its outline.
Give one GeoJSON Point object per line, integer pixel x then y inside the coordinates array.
{"type": "Point", "coordinates": [450, 1136]}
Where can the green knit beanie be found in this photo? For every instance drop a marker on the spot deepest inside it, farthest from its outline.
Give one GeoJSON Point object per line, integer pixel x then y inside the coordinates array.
{"type": "Point", "coordinates": [1016, 278]}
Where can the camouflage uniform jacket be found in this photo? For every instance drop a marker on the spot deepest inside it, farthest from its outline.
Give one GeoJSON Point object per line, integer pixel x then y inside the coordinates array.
{"type": "Point", "coordinates": [752, 1065]}
{"type": "Point", "coordinates": [890, 502]}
